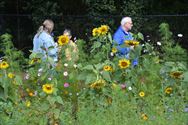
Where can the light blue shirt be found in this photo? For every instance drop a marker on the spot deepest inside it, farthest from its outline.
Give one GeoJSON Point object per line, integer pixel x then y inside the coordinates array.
{"type": "Point", "coordinates": [119, 37]}
{"type": "Point", "coordinates": [44, 41]}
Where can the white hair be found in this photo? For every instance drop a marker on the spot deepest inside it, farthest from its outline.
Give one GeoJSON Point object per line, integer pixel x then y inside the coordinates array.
{"type": "Point", "coordinates": [125, 20]}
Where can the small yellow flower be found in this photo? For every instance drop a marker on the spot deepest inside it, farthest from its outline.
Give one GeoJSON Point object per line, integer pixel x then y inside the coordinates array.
{"type": "Point", "coordinates": [114, 50]}
{"type": "Point", "coordinates": [168, 90]}
{"type": "Point", "coordinates": [104, 29]}
{"type": "Point", "coordinates": [141, 94]}
{"type": "Point", "coordinates": [28, 103]}
{"type": "Point", "coordinates": [4, 65]}
{"type": "Point", "coordinates": [48, 88]}
{"type": "Point", "coordinates": [124, 63]}
{"type": "Point", "coordinates": [131, 43]}
{"type": "Point", "coordinates": [114, 85]}
{"type": "Point", "coordinates": [96, 32]}
{"type": "Point", "coordinates": [11, 75]}
{"type": "Point", "coordinates": [176, 74]}
{"type": "Point", "coordinates": [107, 68]}
{"type": "Point", "coordinates": [144, 117]}
{"type": "Point", "coordinates": [31, 94]}
{"type": "Point", "coordinates": [63, 40]}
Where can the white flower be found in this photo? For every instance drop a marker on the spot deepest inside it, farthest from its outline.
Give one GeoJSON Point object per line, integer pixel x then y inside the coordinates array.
{"type": "Point", "coordinates": [70, 94]}
{"type": "Point", "coordinates": [77, 94]}
{"type": "Point", "coordinates": [148, 40]}
{"type": "Point", "coordinates": [75, 66]}
{"type": "Point", "coordinates": [65, 73]}
{"type": "Point", "coordinates": [143, 44]}
{"type": "Point", "coordinates": [27, 76]}
{"type": "Point", "coordinates": [130, 88]}
{"type": "Point", "coordinates": [159, 43]}
{"type": "Point", "coordinates": [40, 70]}
{"type": "Point", "coordinates": [49, 78]}
{"type": "Point", "coordinates": [112, 54]}
{"type": "Point", "coordinates": [39, 74]}
{"type": "Point", "coordinates": [180, 35]}
{"type": "Point", "coordinates": [147, 36]}
{"type": "Point", "coordinates": [65, 64]}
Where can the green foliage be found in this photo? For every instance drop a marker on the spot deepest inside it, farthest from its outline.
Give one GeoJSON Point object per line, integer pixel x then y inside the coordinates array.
{"type": "Point", "coordinates": [171, 50]}
{"type": "Point", "coordinates": [84, 92]}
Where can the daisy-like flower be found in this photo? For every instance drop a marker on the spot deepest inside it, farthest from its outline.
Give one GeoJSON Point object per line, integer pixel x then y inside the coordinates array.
{"type": "Point", "coordinates": [104, 29]}
{"type": "Point", "coordinates": [96, 32]}
{"type": "Point", "coordinates": [168, 90]}
{"type": "Point", "coordinates": [65, 64]}
{"type": "Point", "coordinates": [114, 50]}
{"type": "Point", "coordinates": [141, 94]}
{"type": "Point", "coordinates": [124, 63]}
{"type": "Point", "coordinates": [144, 116]}
{"type": "Point", "coordinates": [107, 68]}
{"type": "Point", "coordinates": [75, 66]}
{"type": "Point", "coordinates": [176, 74]}
{"type": "Point", "coordinates": [65, 73]}
{"type": "Point", "coordinates": [48, 88]}
{"type": "Point", "coordinates": [63, 40]}
{"type": "Point", "coordinates": [130, 88]}
{"type": "Point", "coordinates": [131, 43]}
{"type": "Point", "coordinates": [4, 65]}
{"type": "Point", "coordinates": [11, 75]}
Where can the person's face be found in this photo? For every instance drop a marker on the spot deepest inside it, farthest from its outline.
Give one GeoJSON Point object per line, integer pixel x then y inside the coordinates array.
{"type": "Point", "coordinates": [67, 34]}
{"type": "Point", "coordinates": [128, 25]}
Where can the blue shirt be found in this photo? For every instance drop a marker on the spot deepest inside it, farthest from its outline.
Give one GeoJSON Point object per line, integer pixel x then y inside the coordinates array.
{"type": "Point", "coordinates": [119, 37]}
{"type": "Point", "coordinates": [44, 41]}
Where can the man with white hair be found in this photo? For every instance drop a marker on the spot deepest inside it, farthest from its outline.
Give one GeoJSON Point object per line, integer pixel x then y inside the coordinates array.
{"type": "Point", "coordinates": [122, 34]}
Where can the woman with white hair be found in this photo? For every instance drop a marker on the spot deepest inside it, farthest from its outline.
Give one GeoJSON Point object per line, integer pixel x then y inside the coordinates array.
{"type": "Point", "coordinates": [44, 43]}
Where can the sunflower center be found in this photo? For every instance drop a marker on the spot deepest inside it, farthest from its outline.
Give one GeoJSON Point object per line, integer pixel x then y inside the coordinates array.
{"type": "Point", "coordinates": [124, 63]}
{"type": "Point", "coordinates": [48, 87]}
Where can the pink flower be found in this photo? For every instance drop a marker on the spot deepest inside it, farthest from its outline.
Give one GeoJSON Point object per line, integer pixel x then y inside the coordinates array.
{"type": "Point", "coordinates": [123, 86]}
{"type": "Point", "coordinates": [66, 85]}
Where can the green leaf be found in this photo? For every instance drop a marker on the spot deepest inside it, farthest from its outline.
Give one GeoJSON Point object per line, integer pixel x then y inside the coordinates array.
{"type": "Point", "coordinates": [88, 67]}
{"type": "Point", "coordinates": [56, 113]}
{"type": "Point", "coordinates": [140, 36]}
{"type": "Point", "coordinates": [59, 100]}
{"type": "Point", "coordinates": [106, 76]}
{"type": "Point", "coordinates": [18, 80]}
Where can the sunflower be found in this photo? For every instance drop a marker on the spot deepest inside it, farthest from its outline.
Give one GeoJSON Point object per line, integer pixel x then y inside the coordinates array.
{"type": "Point", "coordinates": [96, 32]}
{"type": "Point", "coordinates": [176, 74]}
{"type": "Point", "coordinates": [144, 117]}
{"type": "Point", "coordinates": [104, 29]}
{"type": "Point", "coordinates": [131, 43]}
{"type": "Point", "coordinates": [124, 63]}
{"type": "Point", "coordinates": [98, 84]}
{"type": "Point", "coordinates": [168, 90]}
{"type": "Point", "coordinates": [4, 65]}
{"type": "Point", "coordinates": [48, 88]}
{"type": "Point", "coordinates": [63, 40]}
{"type": "Point", "coordinates": [141, 94]}
{"type": "Point", "coordinates": [11, 75]}
{"type": "Point", "coordinates": [107, 68]}
{"type": "Point", "coordinates": [114, 50]}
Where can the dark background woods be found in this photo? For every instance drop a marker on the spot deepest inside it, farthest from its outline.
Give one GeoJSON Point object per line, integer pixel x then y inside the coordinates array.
{"type": "Point", "coordinates": [21, 18]}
